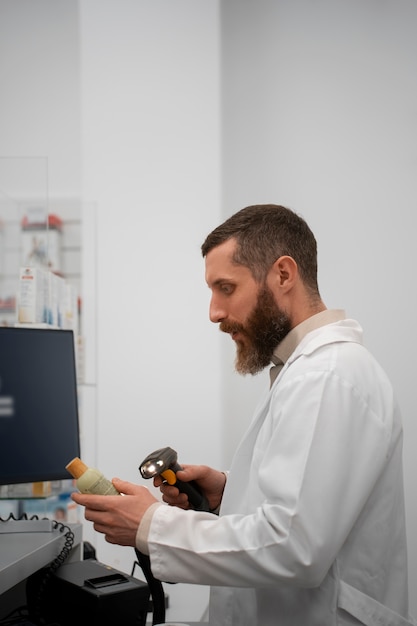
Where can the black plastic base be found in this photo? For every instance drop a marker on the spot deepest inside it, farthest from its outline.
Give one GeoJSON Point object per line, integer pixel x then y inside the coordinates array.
{"type": "Point", "coordinates": [87, 592]}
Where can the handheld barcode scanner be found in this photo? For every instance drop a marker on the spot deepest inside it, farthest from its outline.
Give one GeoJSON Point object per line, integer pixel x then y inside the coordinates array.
{"type": "Point", "coordinates": [164, 462]}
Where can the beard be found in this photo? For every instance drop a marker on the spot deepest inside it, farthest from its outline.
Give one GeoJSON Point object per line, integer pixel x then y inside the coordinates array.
{"type": "Point", "coordinates": [265, 327]}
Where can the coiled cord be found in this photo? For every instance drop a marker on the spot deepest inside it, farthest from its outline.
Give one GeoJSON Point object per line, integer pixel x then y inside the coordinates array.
{"type": "Point", "coordinates": [34, 611]}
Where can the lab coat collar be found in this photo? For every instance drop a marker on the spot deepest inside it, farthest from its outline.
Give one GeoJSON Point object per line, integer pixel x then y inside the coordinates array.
{"type": "Point", "coordinates": [287, 346]}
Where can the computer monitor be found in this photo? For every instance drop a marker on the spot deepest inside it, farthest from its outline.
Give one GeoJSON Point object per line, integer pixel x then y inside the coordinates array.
{"type": "Point", "coordinates": [39, 426]}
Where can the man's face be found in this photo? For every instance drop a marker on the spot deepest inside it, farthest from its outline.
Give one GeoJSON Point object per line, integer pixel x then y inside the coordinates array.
{"type": "Point", "coordinates": [245, 309]}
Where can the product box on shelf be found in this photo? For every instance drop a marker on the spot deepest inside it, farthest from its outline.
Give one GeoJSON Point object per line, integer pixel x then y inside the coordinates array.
{"type": "Point", "coordinates": [33, 296]}
{"type": "Point", "coordinates": [27, 490]}
{"type": "Point", "coordinates": [41, 298]}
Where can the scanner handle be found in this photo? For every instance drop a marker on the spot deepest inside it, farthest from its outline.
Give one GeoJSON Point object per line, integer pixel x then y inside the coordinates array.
{"type": "Point", "coordinates": [195, 497]}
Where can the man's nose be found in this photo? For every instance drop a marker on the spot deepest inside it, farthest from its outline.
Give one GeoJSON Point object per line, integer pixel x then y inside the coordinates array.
{"type": "Point", "coordinates": [216, 312]}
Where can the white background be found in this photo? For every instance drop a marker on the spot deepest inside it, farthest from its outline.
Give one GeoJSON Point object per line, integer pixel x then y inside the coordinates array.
{"type": "Point", "coordinates": [168, 116]}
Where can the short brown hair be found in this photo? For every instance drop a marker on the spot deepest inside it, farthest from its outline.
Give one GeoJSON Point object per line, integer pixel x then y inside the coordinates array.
{"type": "Point", "coordinates": [263, 233]}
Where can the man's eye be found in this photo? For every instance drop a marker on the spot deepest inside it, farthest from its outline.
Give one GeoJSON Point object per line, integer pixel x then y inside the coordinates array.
{"type": "Point", "coordinates": [227, 289]}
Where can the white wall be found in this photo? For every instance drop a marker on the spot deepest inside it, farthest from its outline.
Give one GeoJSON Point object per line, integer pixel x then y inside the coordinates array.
{"type": "Point", "coordinates": [317, 106]}
{"type": "Point", "coordinates": [40, 90]}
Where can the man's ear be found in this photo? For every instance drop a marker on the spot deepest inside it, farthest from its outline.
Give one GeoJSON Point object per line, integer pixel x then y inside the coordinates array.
{"type": "Point", "coordinates": [283, 273]}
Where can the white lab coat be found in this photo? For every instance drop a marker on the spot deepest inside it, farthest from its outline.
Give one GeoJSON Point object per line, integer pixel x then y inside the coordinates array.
{"type": "Point", "coordinates": [311, 530]}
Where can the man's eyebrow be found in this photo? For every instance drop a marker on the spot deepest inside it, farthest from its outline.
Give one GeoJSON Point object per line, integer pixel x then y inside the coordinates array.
{"type": "Point", "coordinates": [219, 281]}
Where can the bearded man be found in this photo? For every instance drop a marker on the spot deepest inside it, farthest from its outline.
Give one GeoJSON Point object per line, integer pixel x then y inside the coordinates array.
{"type": "Point", "coordinates": [307, 527]}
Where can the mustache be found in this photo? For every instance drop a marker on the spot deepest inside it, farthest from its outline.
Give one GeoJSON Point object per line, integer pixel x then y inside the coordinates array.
{"type": "Point", "coordinates": [231, 327]}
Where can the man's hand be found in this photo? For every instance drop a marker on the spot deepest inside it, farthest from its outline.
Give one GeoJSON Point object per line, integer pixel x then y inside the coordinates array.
{"type": "Point", "coordinates": [117, 517]}
{"type": "Point", "coordinates": [211, 483]}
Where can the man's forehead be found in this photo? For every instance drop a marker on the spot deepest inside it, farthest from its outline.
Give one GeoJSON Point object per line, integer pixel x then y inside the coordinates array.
{"type": "Point", "coordinates": [220, 266]}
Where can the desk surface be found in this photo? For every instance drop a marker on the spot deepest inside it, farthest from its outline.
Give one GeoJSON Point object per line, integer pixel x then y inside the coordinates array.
{"type": "Point", "coordinates": [22, 554]}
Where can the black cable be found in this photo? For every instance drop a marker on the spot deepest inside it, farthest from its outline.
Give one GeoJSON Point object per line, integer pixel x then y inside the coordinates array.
{"type": "Point", "coordinates": [51, 569]}
{"type": "Point", "coordinates": [35, 612]}
{"type": "Point", "coordinates": [155, 587]}
{"type": "Point", "coordinates": [24, 516]}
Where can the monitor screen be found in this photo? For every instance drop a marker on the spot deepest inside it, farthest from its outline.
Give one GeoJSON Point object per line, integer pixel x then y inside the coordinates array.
{"type": "Point", "coordinates": [39, 428]}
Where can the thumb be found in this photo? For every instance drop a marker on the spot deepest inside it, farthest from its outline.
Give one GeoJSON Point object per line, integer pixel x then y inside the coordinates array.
{"type": "Point", "coordinates": [186, 473]}
{"type": "Point", "coordinates": [126, 487]}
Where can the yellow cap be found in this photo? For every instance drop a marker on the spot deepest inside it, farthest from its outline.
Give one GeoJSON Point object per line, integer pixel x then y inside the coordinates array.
{"type": "Point", "coordinates": [76, 467]}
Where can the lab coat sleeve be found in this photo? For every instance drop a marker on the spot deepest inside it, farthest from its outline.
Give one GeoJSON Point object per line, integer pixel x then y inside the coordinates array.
{"type": "Point", "coordinates": [312, 467]}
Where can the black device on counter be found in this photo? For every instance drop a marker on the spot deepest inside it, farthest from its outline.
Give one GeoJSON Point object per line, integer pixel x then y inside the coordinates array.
{"type": "Point", "coordinates": [88, 592]}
